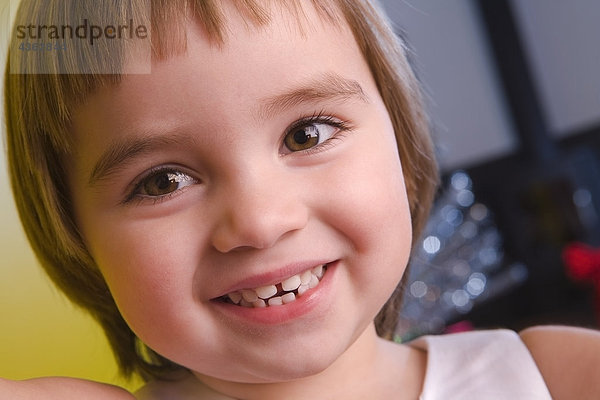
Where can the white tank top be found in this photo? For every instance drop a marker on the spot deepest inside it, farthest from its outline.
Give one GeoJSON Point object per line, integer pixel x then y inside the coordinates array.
{"type": "Point", "coordinates": [481, 365]}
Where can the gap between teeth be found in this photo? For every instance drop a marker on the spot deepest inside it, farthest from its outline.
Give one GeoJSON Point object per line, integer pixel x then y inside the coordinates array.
{"type": "Point", "coordinates": [288, 290]}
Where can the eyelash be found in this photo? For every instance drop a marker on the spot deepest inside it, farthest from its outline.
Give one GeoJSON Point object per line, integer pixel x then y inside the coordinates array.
{"type": "Point", "coordinates": [343, 127]}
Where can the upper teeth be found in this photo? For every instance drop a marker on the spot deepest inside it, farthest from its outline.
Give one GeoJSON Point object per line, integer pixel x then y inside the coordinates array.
{"type": "Point", "coordinates": [266, 295]}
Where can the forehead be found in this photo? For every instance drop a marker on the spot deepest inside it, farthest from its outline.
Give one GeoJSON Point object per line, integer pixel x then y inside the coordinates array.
{"type": "Point", "coordinates": [293, 45]}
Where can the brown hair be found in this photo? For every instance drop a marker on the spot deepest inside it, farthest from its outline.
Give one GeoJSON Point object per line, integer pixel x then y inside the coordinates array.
{"type": "Point", "coordinates": [39, 106]}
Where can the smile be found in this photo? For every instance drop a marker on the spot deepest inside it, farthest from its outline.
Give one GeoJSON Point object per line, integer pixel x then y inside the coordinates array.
{"type": "Point", "coordinates": [277, 294]}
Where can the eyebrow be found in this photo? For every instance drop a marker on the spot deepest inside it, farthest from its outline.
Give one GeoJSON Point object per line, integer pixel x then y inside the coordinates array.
{"type": "Point", "coordinates": [328, 87]}
{"type": "Point", "coordinates": [120, 153]}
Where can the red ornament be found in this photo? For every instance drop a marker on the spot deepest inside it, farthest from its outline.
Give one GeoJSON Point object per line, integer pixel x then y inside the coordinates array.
{"type": "Point", "coordinates": [583, 264]}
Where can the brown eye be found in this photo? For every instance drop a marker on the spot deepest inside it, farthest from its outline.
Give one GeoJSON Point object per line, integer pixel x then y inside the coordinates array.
{"type": "Point", "coordinates": [302, 138]}
{"type": "Point", "coordinates": [163, 183]}
{"type": "Point", "coordinates": [308, 136]}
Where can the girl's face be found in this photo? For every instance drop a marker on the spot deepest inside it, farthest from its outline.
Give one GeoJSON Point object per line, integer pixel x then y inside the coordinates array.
{"type": "Point", "coordinates": [240, 167]}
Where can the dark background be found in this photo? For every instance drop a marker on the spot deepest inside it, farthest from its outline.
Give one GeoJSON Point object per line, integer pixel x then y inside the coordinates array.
{"type": "Point", "coordinates": [532, 191]}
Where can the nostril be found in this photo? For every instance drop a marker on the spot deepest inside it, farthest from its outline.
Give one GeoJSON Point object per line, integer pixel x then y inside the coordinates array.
{"type": "Point", "coordinates": [244, 248]}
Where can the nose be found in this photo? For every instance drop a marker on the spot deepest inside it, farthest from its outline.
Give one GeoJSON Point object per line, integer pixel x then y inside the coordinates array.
{"type": "Point", "coordinates": [255, 210]}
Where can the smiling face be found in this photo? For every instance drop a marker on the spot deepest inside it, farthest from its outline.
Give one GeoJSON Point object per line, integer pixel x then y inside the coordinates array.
{"type": "Point", "coordinates": [232, 172]}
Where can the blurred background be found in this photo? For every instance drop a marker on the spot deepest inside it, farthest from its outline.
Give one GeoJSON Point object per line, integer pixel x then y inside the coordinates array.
{"type": "Point", "coordinates": [514, 96]}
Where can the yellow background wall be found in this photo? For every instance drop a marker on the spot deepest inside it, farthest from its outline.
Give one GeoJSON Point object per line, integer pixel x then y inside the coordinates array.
{"type": "Point", "coordinates": [41, 333]}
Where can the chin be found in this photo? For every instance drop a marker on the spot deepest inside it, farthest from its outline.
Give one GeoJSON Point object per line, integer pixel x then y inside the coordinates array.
{"type": "Point", "coordinates": [295, 370]}
{"type": "Point", "coordinates": [289, 368]}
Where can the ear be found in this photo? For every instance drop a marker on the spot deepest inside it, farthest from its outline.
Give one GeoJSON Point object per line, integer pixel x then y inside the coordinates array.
{"type": "Point", "coordinates": [568, 358]}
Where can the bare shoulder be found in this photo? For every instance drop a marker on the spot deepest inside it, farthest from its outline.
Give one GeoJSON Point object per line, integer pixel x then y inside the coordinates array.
{"type": "Point", "coordinates": [568, 358]}
{"type": "Point", "coordinates": [60, 388]}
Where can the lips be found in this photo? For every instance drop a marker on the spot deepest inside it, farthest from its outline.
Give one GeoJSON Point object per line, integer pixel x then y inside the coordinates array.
{"type": "Point", "coordinates": [277, 294]}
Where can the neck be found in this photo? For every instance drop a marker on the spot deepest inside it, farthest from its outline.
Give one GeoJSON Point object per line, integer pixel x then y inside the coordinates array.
{"type": "Point", "coordinates": [370, 368]}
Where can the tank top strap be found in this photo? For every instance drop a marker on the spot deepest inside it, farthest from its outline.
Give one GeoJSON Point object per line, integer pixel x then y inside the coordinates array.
{"type": "Point", "coordinates": [489, 365]}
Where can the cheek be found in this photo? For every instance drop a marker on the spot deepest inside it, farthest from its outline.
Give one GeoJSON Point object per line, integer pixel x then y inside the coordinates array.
{"type": "Point", "coordinates": [371, 203]}
{"type": "Point", "coordinates": [145, 268]}
{"type": "Point", "coordinates": [383, 231]}
{"type": "Point", "coordinates": [368, 206]}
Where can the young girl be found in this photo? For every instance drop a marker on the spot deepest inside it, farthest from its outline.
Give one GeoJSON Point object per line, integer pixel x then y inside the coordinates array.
{"type": "Point", "coordinates": [239, 219]}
